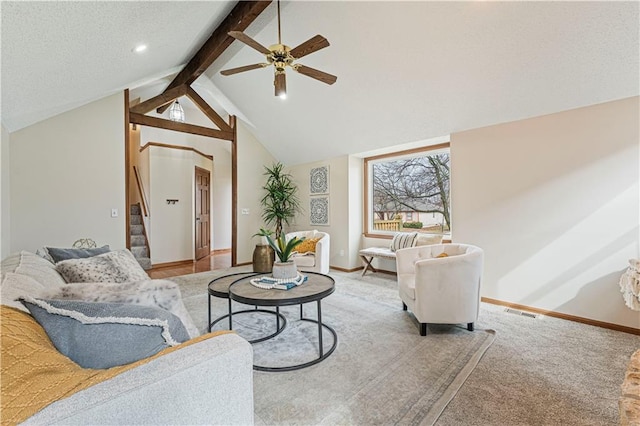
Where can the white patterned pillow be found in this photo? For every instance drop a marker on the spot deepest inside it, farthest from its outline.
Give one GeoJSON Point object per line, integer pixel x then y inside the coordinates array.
{"type": "Point", "coordinates": [113, 267]}
{"type": "Point", "coordinates": [403, 240]}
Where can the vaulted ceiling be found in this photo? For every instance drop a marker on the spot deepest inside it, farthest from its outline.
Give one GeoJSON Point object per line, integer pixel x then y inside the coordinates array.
{"type": "Point", "coordinates": [406, 71]}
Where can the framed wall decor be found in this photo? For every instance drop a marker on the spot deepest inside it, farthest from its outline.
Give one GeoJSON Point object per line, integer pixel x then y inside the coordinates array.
{"type": "Point", "coordinates": [319, 211]}
{"type": "Point", "coordinates": [319, 180]}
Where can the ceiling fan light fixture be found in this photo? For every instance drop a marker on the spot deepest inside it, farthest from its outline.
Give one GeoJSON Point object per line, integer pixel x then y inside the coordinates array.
{"type": "Point", "coordinates": [176, 113]}
{"type": "Point", "coordinates": [281, 56]}
{"type": "Point", "coordinates": [280, 83]}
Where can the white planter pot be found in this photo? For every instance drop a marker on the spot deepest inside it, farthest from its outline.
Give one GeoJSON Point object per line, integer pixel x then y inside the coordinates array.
{"type": "Point", "coordinates": [284, 270]}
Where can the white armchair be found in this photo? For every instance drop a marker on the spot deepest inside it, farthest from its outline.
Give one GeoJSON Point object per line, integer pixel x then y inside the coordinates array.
{"type": "Point", "coordinates": [441, 290]}
{"type": "Point", "coordinates": [317, 261]}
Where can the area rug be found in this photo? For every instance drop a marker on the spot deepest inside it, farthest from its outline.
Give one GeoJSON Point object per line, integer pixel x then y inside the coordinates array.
{"type": "Point", "coordinates": [382, 371]}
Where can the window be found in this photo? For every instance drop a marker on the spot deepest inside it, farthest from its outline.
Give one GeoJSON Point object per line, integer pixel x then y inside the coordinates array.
{"type": "Point", "coordinates": [408, 191]}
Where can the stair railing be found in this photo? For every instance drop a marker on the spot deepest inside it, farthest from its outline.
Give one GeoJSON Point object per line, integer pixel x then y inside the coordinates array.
{"type": "Point", "coordinates": [143, 195]}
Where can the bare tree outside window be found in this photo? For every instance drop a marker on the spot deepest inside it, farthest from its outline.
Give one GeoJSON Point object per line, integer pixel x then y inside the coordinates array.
{"type": "Point", "coordinates": [415, 188]}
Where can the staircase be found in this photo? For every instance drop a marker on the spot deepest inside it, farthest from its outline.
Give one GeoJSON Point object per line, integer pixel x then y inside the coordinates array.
{"type": "Point", "coordinates": [139, 243]}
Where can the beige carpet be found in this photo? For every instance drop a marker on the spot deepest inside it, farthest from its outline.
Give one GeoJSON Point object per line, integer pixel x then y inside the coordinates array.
{"type": "Point", "coordinates": [382, 372]}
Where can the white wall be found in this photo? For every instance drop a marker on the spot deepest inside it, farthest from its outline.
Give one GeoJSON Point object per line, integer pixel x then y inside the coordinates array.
{"type": "Point", "coordinates": [66, 175]}
{"type": "Point", "coordinates": [252, 157]}
{"type": "Point", "coordinates": [554, 202]}
{"type": "Point", "coordinates": [5, 196]}
{"type": "Point", "coordinates": [172, 228]}
{"type": "Point", "coordinates": [345, 207]}
{"type": "Point", "coordinates": [220, 178]}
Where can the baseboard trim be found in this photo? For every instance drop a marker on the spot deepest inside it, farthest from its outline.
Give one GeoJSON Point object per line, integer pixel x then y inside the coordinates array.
{"type": "Point", "coordinates": [220, 251]}
{"type": "Point", "coordinates": [337, 268]}
{"type": "Point", "coordinates": [244, 263]}
{"type": "Point", "coordinates": [563, 316]}
{"type": "Point", "coordinates": [172, 264]}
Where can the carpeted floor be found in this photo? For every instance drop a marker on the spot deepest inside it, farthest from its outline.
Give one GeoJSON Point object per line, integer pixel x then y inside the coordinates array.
{"type": "Point", "coordinates": [538, 371]}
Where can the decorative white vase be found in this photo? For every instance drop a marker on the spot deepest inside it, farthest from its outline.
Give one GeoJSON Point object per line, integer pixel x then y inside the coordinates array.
{"type": "Point", "coordinates": [284, 270]}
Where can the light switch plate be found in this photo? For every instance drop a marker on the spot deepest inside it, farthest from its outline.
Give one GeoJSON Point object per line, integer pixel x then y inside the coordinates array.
{"type": "Point", "coordinates": [114, 212]}
{"type": "Point", "coordinates": [245, 211]}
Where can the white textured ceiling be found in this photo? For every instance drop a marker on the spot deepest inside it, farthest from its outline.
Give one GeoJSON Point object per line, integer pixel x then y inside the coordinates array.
{"type": "Point", "coordinates": [406, 71]}
{"type": "Point", "coordinates": [59, 55]}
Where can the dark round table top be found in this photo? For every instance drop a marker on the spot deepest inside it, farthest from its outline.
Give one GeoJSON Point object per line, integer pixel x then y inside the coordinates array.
{"type": "Point", "coordinates": [317, 286]}
{"type": "Point", "coordinates": [219, 287]}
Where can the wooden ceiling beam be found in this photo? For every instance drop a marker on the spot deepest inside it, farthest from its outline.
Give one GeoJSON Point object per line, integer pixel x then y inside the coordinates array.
{"type": "Point", "coordinates": [162, 123]}
{"type": "Point", "coordinates": [163, 98]}
{"type": "Point", "coordinates": [207, 110]}
{"type": "Point", "coordinates": [242, 15]}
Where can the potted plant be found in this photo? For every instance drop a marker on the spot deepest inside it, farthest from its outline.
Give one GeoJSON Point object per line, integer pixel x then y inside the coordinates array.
{"type": "Point", "coordinates": [284, 267]}
{"type": "Point", "coordinates": [280, 203]}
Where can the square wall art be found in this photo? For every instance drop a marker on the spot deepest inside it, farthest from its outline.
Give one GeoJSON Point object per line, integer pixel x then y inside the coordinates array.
{"type": "Point", "coordinates": [319, 180]}
{"type": "Point", "coordinates": [319, 211]}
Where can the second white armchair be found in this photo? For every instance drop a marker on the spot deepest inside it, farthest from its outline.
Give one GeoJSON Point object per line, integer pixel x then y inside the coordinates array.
{"type": "Point", "coordinates": [441, 283]}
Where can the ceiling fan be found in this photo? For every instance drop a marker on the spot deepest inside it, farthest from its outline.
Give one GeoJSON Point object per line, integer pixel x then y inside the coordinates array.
{"type": "Point", "coordinates": [282, 56]}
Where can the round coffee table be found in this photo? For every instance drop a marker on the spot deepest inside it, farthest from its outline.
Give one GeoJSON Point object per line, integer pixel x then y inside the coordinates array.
{"type": "Point", "coordinates": [317, 287]}
{"type": "Point", "coordinates": [219, 287]}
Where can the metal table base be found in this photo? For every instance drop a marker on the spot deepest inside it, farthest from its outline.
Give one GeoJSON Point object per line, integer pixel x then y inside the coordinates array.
{"type": "Point", "coordinates": [321, 354]}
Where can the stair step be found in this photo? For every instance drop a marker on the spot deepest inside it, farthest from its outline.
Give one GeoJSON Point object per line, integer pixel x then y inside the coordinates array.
{"type": "Point", "coordinates": [138, 241]}
{"type": "Point", "coordinates": [136, 219]}
{"type": "Point", "coordinates": [140, 251]}
{"type": "Point", "coordinates": [137, 230]}
{"type": "Point", "coordinates": [145, 262]}
{"type": "Point", "coordinates": [134, 209]}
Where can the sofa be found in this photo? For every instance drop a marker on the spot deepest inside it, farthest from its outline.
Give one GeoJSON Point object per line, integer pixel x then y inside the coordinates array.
{"type": "Point", "coordinates": [206, 379]}
{"type": "Point", "coordinates": [316, 257]}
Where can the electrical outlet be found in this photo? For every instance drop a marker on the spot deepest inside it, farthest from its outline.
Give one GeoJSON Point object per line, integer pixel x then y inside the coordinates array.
{"type": "Point", "coordinates": [341, 252]}
{"type": "Point", "coordinates": [114, 212]}
{"type": "Point", "coordinates": [245, 211]}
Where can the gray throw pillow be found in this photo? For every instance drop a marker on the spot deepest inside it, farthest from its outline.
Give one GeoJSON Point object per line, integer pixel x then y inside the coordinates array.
{"type": "Point", "coordinates": [60, 254]}
{"type": "Point", "coordinates": [105, 335]}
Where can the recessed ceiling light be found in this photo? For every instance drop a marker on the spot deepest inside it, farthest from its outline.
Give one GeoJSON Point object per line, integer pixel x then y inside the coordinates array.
{"type": "Point", "coordinates": [139, 48]}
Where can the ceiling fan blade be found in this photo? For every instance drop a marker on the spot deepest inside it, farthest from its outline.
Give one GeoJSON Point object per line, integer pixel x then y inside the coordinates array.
{"type": "Point", "coordinates": [317, 74]}
{"type": "Point", "coordinates": [281, 85]}
{"type": "Point", "coordinates": [231, 71]}
{"type": "Point", "coordinates": [239, 35]}
{"type": "Point", "coordinates": [314, 44]}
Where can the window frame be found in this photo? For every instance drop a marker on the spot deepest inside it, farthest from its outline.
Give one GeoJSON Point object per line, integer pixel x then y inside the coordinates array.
{"type": "Point", "coordinates": [368, 163]}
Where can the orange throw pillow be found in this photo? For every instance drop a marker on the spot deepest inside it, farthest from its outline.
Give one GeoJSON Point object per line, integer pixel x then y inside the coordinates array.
{"type": "Point", "coordinates": [308, 245]}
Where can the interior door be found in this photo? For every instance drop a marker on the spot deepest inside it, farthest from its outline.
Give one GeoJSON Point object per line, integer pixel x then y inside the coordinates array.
{"type": "Point", "coordinates": [202, 219]}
